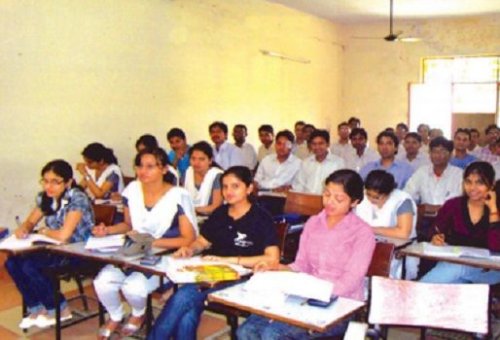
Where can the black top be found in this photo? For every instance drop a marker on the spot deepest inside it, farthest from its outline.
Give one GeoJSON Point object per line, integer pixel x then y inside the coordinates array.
{"type": "Point", "coordinates": [247, 236]}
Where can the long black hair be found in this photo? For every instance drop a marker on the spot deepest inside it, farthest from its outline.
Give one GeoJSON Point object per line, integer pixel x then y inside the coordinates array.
{"type": "Point", "coordinates": [97, 152]}
{"type": "Point", "coordinates": [62, 169]}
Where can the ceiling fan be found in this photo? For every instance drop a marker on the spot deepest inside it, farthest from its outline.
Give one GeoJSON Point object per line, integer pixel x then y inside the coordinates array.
{"type": "Point", "coordinates": [393, 36]}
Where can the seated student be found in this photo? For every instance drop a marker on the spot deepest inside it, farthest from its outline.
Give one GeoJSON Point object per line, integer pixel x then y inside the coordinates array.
{"type": "Point", "coordinates": [202, 179]}
{"type": "Point", "coordinates": [387, 145]}
{"type": "Point", "coordinates": [277, 171]}
{"type": "Point", "coordinates": [100, 171]}
{"type": "Point", "coordinates": [361, 154]}
{"type": "Point", "coordinates": [153, 206]}
{"type": "Point", "coordinates": [343, 147]}
{"type": "Point", "coordinates": [225, 153]}
{"type": "Point", "coordinates": [238, 232]}
{"type": "Point", "coordinates": [179, 155]}
{"type": "Point", "coordinates": [401, 132]}
{"type": "Point", "coordinates": [300, 141]}
{"type": "Point", "coordinates": [146, 141]}
{"type": "Point", "coordinates": [469, 220]}
{"type": "Point", "coordinates": [266, 137]}
{"type": "Point", "coordinates": [354, 123]}
{"type": "Point", "coordinates": [474, 146]}
{"type": "Point", "coordinates": [68, 218]}
{"type": "Point", "coordinates": [487, 153]}
{"type": "Point", "coordinates": [412, 155]}
{"type": "Point", "coordinates": [391, 213]}
{"type": "Point", "coordinates": [302, 150]}
{"type": "Point", "coordinates": [248, 154]}
{"type": "Point", "coordinates": [336, 245]}
{"type": "Point", "coordinates": [317, 167]}
{"type": "Point", "coordinates": [424, 131]}
{"type": "Point", "coordinates": [461, 158]}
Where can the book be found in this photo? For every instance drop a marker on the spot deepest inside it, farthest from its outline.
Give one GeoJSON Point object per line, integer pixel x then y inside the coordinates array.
{"type": "Point", "coordinates": [455, 251]}
{"type": "Point", "coordinates": [14, 243]}
{"type": "Point", "coordinates": [105, 243]}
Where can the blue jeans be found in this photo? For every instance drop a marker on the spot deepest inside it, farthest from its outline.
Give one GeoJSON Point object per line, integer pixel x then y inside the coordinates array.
{"type": "Point", "coordinates": [35, 287]}
{"type": "Point", "coordinates": [445, 272]}
{"type": "Point", "coordinates": [258, 327]}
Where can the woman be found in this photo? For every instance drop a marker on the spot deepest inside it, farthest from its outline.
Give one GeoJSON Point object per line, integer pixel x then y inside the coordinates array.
{"type": "Point", "coordinates": [149, 142]}
{"type": "Point", "coordinates": [203, 179]}
{"type": "Point", "coordinates": [391, 213]}
{"type": "Point", "coordinates": [239, 232]}
{"type": "Point", "coordinates": [101, 174]}
{"type": "Point", "coordinates": [69, 218]}
{"type": "Point", "coordinates": [151, 205]}
{"type": "Point", "coordinates": [338, 232]}
{"type": "Point", "coordinates": [469, 220]}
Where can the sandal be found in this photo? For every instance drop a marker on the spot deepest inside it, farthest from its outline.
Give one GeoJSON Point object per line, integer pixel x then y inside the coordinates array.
{"type": "Point", "coordinates": [108, 329]}
{"type": "Point", "coordinates": [131, 328]}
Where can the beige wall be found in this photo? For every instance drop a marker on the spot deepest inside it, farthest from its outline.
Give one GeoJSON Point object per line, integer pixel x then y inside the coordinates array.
{"type": "Point", "coordinates": [74, 72]}
{"type": "Point", "coordinates": [377, 72]}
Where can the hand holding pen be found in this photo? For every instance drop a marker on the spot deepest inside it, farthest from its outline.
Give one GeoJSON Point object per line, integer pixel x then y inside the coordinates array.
{"type": "Point", "coordinates": [20, 231]}
{"type": "Point", "coordinates": [438, 239]}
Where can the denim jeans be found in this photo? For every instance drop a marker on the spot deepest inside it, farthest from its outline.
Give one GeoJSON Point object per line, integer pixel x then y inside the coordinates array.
{"type": "Point", "coordinates": [258, 327]}
{"type": "Point", "coordinates": [35, 287]}
{"type": "Point", "coordinates": [445, 272]}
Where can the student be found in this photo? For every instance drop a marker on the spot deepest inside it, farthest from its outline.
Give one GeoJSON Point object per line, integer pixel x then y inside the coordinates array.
{"type": "Point", "coordinates": [297, 130]}
{"type": "Point", "coordinates": [401, 132]}
{"type": "Point", "coordinates": [474, 146]}
{"type": "Point", "coordinates": [469, 220]}
{"type": "Point", "coordinates": [179, 153]}
{"type": "Point", "coordinates": [146, 141]}
{"type": "Point", "coordinates": [301, 147]}
{"type": "Point", "coordinates": [461, 158]}
{"type": "Point", "coordinates": [202, 179]}
{"type": "Point", "coordinates": [424, 130]}
{"type": "Point", "coordinates": [354, 123]}
{"type": "Point", "coordinates": [412, 155]}
{"type": "Point", "coordinates": [101, 174]}
{"type": "Point", "coordinates": [361, 153]}
{"type": "Point", "coordinates": [487, 153]}
{"type": "Point", "coordinates": [153, 206]}
{"type": "Point", "coordinates": [225, 153]}
{"type": "Point", "coordinates": [266, 137]}
{"type": "Point", "coordinates": [247, 150]}
{"type": "Point", "coordinates": [317, 167]}
{"type": "Point", "coordinates": [342, 148]}
{"type": "Point", "coordinates": [68, 218]}
{"type": "Point", "coordinates": [391, 212]}
{"type": "Point", "coordinates": [277, 171]}
{"type": "Point", "coordinates": [238, 232]}
{"type": "Point", "coordinates": [338, 232]}
{"type": "Point", "coordinates": [387, 145]}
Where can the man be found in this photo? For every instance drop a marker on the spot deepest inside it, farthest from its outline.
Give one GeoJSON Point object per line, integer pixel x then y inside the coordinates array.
{"type": "Point", "coordinates": [277, 171]}
{"type": "Point", "coordinates": [487, 153]}
{"type": "Point", "coordinates": [354, 123]}
{"type": "Point", "coordinates": [401, 131]}
{"type": "Point", "coordinates": [225, 154]}
{"type": "Point", "coordinates": [461, 157]}
{"type": "Point", "coordinates": [412, 143]}
{"type": "Point", "coordinates": [266, 137]}
{"type": "Point", "coordinates": [424, 130]}
{"type": "Point", "coordinates": [317, 167]}
{"type": "Point", "coordinates": [179, 153]}
{"type": "Point", "coordinates": [474, 146]}
{"type": "Point", "coordinates": [387, 145]}
{"type": "Point", "coordinates": [247, 150]}
{"type": "Point", "coordinates": [342, 148]}
{"type": "Point", "coordinates": [302, 149]}
{"type": "Point", "coordinates": [361, 154]}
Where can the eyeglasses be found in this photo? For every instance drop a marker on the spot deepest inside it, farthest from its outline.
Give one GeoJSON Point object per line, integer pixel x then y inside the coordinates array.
{"type": "Point", "coordinates": [51, 182]}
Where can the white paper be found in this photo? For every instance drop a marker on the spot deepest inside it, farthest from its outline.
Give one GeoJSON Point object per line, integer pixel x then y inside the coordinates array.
{"type": "Point", "coordinates": [455, 251]}
{"type": "Point", "coordinates": [106, 242]}
{"type": "Point", "coordinates": [14, 243]}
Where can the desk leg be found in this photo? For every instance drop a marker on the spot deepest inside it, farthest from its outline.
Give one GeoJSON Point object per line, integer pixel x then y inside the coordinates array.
{"type": "Point", "coordinates": [403, 268]}
{"type": "Point", "coordinates": [57, 302]}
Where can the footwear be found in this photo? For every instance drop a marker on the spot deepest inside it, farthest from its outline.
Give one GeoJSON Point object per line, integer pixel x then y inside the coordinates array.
{"type": "Point", "coordinates": [44, 320]}
{"type": "Point", "coordinates": [108, 329]}
{"type": "Point", "coordinates": [132, 328]}
{"type": "Point", "coordinates": [28, 321]}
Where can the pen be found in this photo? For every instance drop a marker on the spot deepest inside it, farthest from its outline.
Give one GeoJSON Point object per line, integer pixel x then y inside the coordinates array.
{"type": "Point", "coordinates": [437, 229]}
{"type": "Point", "coordinates": [18, 221]}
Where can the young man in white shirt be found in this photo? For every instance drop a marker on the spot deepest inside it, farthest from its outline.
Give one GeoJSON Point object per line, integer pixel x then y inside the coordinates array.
{"type": "Point", "coordinates": [401, 132]}
{"type": "Point", "coordinates": [317, 167]}
{"type": "Point", "coordinates": [247, 150]}
{"type": "Point", "coordinates": [361, 153]}
{"type": "Point", "coordinates": [342, 148]}
{"type": "Point", "coordinates": [277, 171]}
{"type": "Point", "coordinates": [301, 150]}
{"type": "Point", "coordinates": [225, 154]}
{"type": "Point", "coordinates": [412, 143]}
{"type": "Point", "coordinates": [487, 153]}
{"type": "Point", "coordinates": [474, 146]}
{"type": "Point", "coordinates": [266, 137]}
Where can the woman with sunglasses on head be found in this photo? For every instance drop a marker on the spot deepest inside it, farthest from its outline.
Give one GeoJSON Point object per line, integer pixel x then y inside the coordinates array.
{"type": "Point", "coordinates": [68, 218]}
{"type": "Point", "coordinates": [336, 245]}
{"type": "Point", "coordinates": [154, 206]}
{"type": "Point", "coordinates": [238, 232]}
{"type": "Point", "coordinates": [391, 213]}
{"type": "Point", "coordinates": [469, 220]}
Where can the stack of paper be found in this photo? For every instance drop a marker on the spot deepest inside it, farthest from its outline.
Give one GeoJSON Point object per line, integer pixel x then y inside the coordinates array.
{"type": "Point", "coordinates": [106, 243]}
{"type": "Point", "coordinates": [455, 251]}
{"type": "Point", "coordinates": [14, 243]}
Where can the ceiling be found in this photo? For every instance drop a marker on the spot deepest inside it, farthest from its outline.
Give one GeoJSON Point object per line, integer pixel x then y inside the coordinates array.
{"type": "Point", "coordinates": [357, 11]}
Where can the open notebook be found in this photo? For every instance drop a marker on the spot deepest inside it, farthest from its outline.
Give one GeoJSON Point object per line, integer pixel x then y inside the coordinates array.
{"type": "Point", "coordinates": [455, 251]}
{"type": "Point", "coordinates": [14, 243]}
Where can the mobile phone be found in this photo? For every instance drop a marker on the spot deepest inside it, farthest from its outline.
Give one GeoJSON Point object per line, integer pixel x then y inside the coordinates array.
{"type": "Point", "coordinates": [150, 260]}
{"type": "Point", "coordinates": [319, 303]}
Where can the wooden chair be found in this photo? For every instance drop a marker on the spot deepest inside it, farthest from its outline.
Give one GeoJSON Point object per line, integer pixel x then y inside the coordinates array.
{"type": "Point", "coordinates": [104, 213]}
{"type": "Point", "coordinates": [381, 260]}
{"type": "Point", "coordinates": [282, 231]}
{"type": "Point", "coordinates": [303, 204]}
{"type": "Point", "coordinates": [127, 180]}
{"type": "Point", "coordinates": [426, 214]}
{"type": "Point", "coordinates": [461, 307]}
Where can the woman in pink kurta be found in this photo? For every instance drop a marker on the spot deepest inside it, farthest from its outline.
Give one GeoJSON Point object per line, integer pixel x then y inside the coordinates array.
{"type": "Point", "coordinates": [336, 245]}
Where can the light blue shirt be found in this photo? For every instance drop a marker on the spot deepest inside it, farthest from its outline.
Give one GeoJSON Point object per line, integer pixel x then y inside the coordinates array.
{"type": "Point", "coordinates": [463, 162]}
{"type": "Point", "coordinates": [400, 170]}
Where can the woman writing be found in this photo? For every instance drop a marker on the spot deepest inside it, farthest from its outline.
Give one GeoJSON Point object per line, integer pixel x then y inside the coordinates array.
{"type": "Point", "coordinates": [335, 245]}
{"type": "Point", "coordinates": [101, 174]}
{"type": "Point", "coordinates": [69, 218]}
{"type": "Point", "coordinates": [469, 220]}
{"type": "Point", "coordinates": [239, 232]}
{"type": "Point", "coordinates": [151, 205]}
{"type": "Point", "coordinates": [203, 179]}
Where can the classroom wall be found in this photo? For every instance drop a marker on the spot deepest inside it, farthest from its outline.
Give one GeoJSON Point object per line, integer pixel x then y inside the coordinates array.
{"type": "Point", "coordinates": [377, 73]}
{"type": "Point", "coordinates": [75, 72]}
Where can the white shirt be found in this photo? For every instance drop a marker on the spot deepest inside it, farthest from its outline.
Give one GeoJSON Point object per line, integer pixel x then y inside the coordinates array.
{"type": "Point", "coordinates": [301, 151]}
{"type": "Point", "coordinates": [272, 174]}
{"type": "Point", "coordinates": [426, 188]}
{"type": "Point", "coordinates": [228, 155]}
{"type": "Point", "coordinates": [312, 174]}
{"type": "Point", "coordinates": [421, 160]}
{"type": "Point", "coordinates": [248, 155]}
{"type": "Point", "coordinates": [263, 151]}
{"type": "Point", "coordinates": [356, 163]}
{"type": "Point", "coordinates": [342, 150]}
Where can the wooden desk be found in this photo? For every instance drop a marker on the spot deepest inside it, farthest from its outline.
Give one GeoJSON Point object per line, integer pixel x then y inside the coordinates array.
{"type": "Point", "coordinates": [293, 311]}
{"type": "Point", "coordinates": [399, 243]}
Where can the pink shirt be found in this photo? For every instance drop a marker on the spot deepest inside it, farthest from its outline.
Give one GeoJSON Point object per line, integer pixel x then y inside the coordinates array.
{"type": "Point", "coordinates": [340, 254]}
